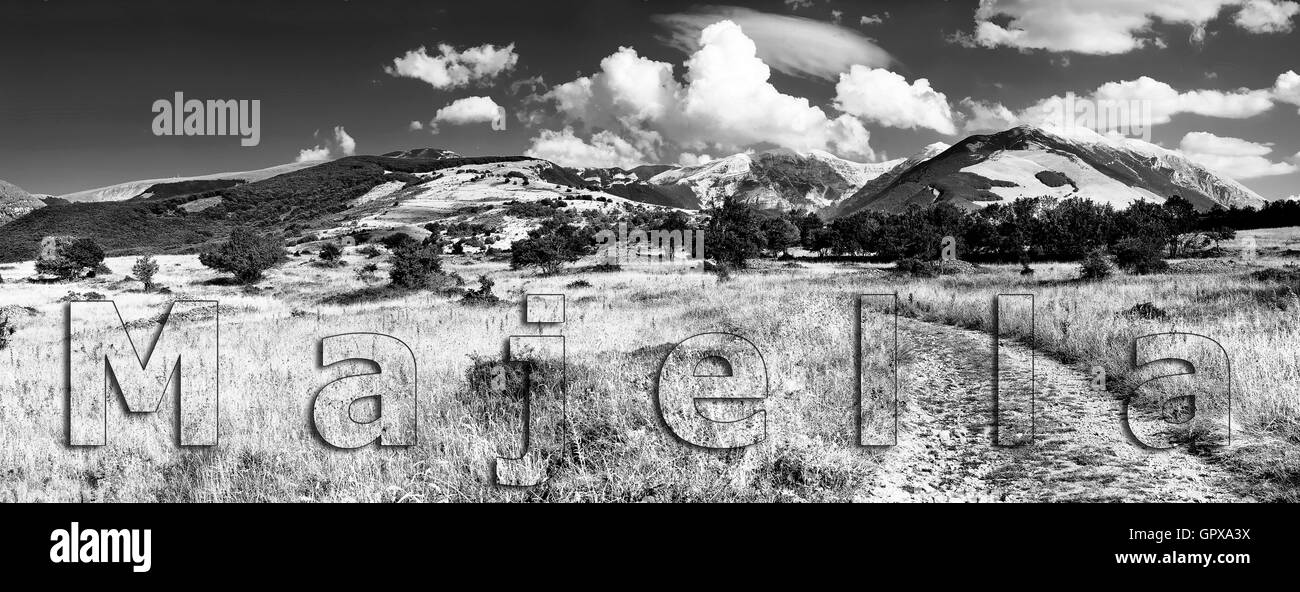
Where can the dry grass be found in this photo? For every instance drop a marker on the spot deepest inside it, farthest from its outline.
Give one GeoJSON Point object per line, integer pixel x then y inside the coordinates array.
{"type": "Point", "coordinates": [618, 332]}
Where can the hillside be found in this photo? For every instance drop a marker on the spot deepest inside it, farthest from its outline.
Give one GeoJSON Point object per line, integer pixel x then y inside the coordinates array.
{"type": "Point", "coordinates": [775, 179]}
{"type": "Point", "coordinates": [15, 202]}
{"type": "Point", "coordinates": [634, 184]}
{"type": "Point", "coordinates": [1032, 162]}
{"type": "Point", "coordinates": [131, 189]}
{"type": "Point", "coordinates": [345, 196]}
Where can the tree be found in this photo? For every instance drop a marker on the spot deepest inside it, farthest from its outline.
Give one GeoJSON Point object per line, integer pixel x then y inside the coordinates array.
{"type": "Point", "coordinates": [1180, 218]}
{"type": "Point", "coordinates": [734, 233]}
{"type": "Point", "coordinates": [779, 234]}
{"type": "Point", "coordinates": [330, 253]}
{"type": "Point", "coordinates": [551, 246]}
{"type": "Point", "coordinates": [246, 254]}
{"type": "Point", "coordinates": [72, 258]}
{"type": "Point", "coordinates": [414, 266]}
{"type": "Point", "coordinates": [395, 240]}
{"type": "Point", "coordinates": [144, 269]}
{"type": "Point", "coordinates": [1095, 267]}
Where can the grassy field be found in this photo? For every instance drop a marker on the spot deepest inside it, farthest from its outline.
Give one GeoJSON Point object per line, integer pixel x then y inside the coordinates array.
{"type": "Point", "coordinates": [619, 329]}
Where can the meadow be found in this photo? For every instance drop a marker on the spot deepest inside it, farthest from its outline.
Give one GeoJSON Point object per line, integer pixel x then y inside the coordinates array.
{"type": "Point", "coordinates": [620, 326]}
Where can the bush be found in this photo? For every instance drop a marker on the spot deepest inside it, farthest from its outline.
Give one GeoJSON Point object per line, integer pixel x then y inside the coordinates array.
{"type": "Point", "coordinates": [144, 269]}
{"type": "Point", "coordinates": [1096, 266]}
{"type": "Point", "coordinates": [1140, 256]}
{"type": "Point", "coordinates": [916, 268]}
{"type": "Point", "coordinates": [368, 272]}
{"type": "Point", "coordinates": [414, 266]}
{"type": "Point", "coordinates": [245, 254]}
{"type": "Point", "coordinates": [72, 259]}
{"type": "Point", "coordinates": [483, 295]}
{"type": "Point", "coordinates": [330, 253]}
{"type": "Point", "coordinates": [551, 246]}
{"type": "Point", "coordinates": [396, 240]}
{"type": "Point", "coordinates": [369, 251]}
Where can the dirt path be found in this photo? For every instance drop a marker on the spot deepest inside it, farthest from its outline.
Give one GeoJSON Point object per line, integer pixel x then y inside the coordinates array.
{"type": "Point", "coordinates": [945, 446]}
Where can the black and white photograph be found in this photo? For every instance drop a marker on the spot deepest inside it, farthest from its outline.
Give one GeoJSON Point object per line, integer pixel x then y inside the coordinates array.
{"type": "Point", "coordinates": [964, 252]}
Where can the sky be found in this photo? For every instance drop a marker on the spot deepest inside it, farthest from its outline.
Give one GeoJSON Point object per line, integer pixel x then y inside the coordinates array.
{"type": "Point", "coordinates": [625, 82]}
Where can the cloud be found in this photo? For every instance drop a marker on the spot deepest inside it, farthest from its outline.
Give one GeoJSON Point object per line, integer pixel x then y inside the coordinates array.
{"type": "Point", "coordinates": [605, 149]}
{"type": "Point", "coordinates": [1235, 157]}
{"type": "Point", "coordinates": [987, 116]}
{"type": "Point", "coordinates": [416, 126]}
{"type": "Point", "coordinates": [883, 97]}
{"type": "Point", "coordinates": [1110, 27]}
{"type": "Point", "coordinates": [467, 110]}
{"type": "Point", "coordinates": [313, 154]}
{"type": "Point", "coordinates": [452, 68]}
{"type": "Point", "coordinates": [874, 19]}
{"type": "Point", "coordinates": [789, 44]}
{"type": "Point", "coordinates": [726, 102]}
{"type": "Point", "coordinates": [1287, 88]}
{"type": "Point", "coordinates": [797, 4]}
{"type": "Point", "coordinates": [1157, 102]}
{"type": "Point", "coordinates": [691, 159]}
{"type": "Point", "coordinates": [1267, 16]}
{"type": "Point", "coordinates": [340, 145]}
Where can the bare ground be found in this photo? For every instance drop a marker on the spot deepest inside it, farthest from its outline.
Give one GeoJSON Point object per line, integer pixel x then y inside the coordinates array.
{"type": "Point", "coordinates": [945, 448]}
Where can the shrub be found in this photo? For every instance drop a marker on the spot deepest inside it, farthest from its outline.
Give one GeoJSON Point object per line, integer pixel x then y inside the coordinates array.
{"type": "Point", "coordinates": [245, 254]}
{"type": "Point", "coordinates": [483, 295]}
{"type": "Point", "coordinates": [70, 258]}
{"type": "Point", "coordinates": [370, 251]}
{"type": "Point", "coordinates": [916, 268]}
{"type": "Point", "coordinates": [1140, 256]}
{"type": "Point", "coordinates": [330, 253]}
{"type": "Point", "coordinates": [144, 269]}
{"type": "Point", "coordinates": [551, 246]}
{"type": "Point", "coordinates": [368, 272]}
{"type": "Point", "coordinates": [414, 266]}
{"type": "Point", "coordinates": [396, 240]}
{"type": "Point", "coordinates": [1096, 266]}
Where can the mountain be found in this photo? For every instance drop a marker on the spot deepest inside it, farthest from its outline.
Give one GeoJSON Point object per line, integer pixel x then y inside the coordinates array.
{"type": "Point", "coordinates": [132, 189]}
{"type": "Point", "coordinates": [856, 201]}
{"type": "Point", "coordinates": [501, 198]}
{"type": "Point", "coordinates": [775, 179]}
{"type": "Point", "coordinates": [1031, 162]}
{"type": "Point", "coordinates": [15, 202]}
{"type": "Point", "coordinates": [424, 153]}
{"type": "Point", "coordinates": [634, 184]}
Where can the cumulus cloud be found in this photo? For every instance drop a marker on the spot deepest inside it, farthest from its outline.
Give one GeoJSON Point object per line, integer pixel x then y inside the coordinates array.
{"type": "Point", "coordinates": [1287, 88]}
{"type": "Point", "coordinates": [339, 145]}
{"type": "Point", "coordinates": [416, 126]}
{"type": "Point", "coordinates": [467, 110]}
{"type": "Point", "coordinates": [982, 116]}
{"type": "Point", "coordinates": [452, 68]}
{"type": "Point", "coordinates": [1110, 27]}
{"type": "Point", "coordinates": [1157, 102]}
{"type": "Point", "coordinates": [789, 44]}
{"type": "Point", "coordinates": [604, 149]}
{"type": "Point", "coordinates": [883, 97]}
{"type": "Point", "coordinates": [1267, 16]}
{"type": "Point", "coordinates": [725, 102]}
{"type": "Point", "coordinates": [1235, 157]}
{"type": "Point", "coordinates": [874, 19]}
{"type": "Point", "coordinates": [691, 159]}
